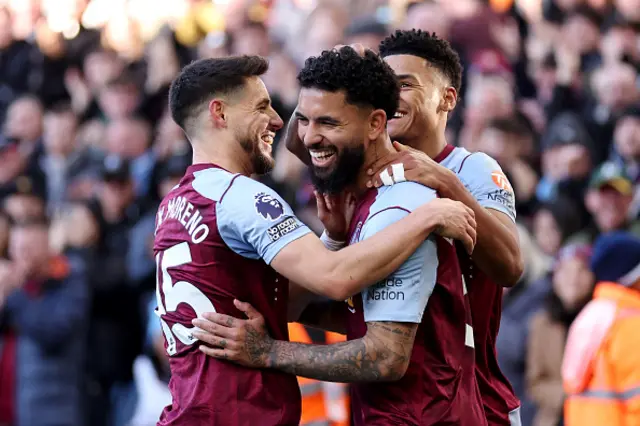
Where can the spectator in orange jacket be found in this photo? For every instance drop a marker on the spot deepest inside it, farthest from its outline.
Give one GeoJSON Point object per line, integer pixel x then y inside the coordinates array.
{"type": "Point", "coordinates": [601, 366]}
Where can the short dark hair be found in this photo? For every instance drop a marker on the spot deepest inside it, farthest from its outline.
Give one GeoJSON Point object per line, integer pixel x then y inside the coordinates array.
{"type": "Point", "coordinates": [205, 78]}
{"type": "Point", "coordinates": [366, 81]}
{"type": "Point", "coordinates": [438, 52]}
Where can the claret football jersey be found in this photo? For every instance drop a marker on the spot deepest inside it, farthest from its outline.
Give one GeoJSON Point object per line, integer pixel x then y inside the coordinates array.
{"type": "Point", "coordinates": [439, 386]}
{"type": "Point", "coordinates": [216, 234]}
{"type": "Point", "coordinates": [484, 179]}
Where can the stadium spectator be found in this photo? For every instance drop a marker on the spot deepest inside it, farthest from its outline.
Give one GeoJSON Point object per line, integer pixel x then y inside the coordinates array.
{"type": "Point", "coordinates": [571, 288]}
{"type": "Point", "coordinates": [45, 304]}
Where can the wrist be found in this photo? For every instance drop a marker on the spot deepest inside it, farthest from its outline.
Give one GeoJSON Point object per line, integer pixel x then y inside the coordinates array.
{"type": "Point", "coordinates": [271, 354]}
{"type": "Point", "coordinates": [449, 184]}
{"type": "Point", "coordinates": [332, 243]}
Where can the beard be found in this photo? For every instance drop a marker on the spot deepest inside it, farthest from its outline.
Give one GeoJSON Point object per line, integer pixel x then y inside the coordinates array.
{"type": "Point", "coordinates": [345, 172]}
{"type": "Point", "coordinates": [261, 163]}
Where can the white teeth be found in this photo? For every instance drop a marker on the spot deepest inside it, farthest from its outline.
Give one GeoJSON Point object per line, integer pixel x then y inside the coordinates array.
{"type": "Point", "coordinates": [399, 115]}
{"type": "Point", "coordinates": [321, 155]}
{"type": "Point", "coordinates": [268, 138]}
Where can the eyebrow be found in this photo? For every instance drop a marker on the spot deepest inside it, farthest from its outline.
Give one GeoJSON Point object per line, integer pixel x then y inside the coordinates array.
{"type": "Point", "coordinates": [325, 119]}
{"type": "Point", "coordinates": [263, 102]}
{"type": "Point", "coordinates": [407, 77]}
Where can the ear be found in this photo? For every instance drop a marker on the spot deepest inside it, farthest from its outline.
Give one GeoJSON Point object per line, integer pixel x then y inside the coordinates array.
{"type": "Point", "coordinates": [377, 124]}
{"type": "Point", "coordinates": [449, 99]}
{"type": "Point", "coordinates": [217, 113]}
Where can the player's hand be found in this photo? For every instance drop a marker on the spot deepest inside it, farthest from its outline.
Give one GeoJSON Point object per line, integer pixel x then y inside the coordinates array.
{"type": "Point", "coordinates": [245, 342]}
{"type": "Point", "coordinates": [453, 220]}
{"type": "Point", "coordinates": [335, 213]}
{"type": "Point", "coordinates": [418, 167]}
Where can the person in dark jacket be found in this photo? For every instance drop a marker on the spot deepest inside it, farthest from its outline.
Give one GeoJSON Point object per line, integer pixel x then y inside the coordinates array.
{"type": "Point", "coordinates": [45, 307]}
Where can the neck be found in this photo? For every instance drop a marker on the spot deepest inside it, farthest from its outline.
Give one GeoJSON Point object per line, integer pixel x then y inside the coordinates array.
{"type": "Point", "coordinates": [431, 142]}
{"type": "Point", "coordinates": [432, 145]}
{"type": "Point", "coordinates": [376, 150]}
{"type": "Point", "coordinates": [224, 151]}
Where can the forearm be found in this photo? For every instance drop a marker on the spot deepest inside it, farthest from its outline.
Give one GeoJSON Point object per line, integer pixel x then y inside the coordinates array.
{"type": "Point", "coordinates": [328, 316]}
{"type": "Point", "coordinates": [341, 362]}
{"type": "Point", "coordinates": [497, 251]}
{"type": "Point", "coordinates": [383, 354]}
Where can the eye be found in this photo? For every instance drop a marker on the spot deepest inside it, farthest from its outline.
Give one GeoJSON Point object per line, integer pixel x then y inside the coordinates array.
{"type": "Point", "coordinates": [404, 85]}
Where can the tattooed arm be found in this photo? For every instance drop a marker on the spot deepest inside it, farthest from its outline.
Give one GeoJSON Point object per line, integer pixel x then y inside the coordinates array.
{"type": "Point", "coordinates": [383, 353]}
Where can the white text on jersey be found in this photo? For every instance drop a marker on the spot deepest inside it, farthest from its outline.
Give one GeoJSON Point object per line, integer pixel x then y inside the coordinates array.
{"type": "Point", "coordinates": [183, 211]}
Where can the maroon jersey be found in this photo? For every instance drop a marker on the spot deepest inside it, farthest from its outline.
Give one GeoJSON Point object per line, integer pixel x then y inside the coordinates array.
{"type": "Point", "coordinates": [216, 234]}
{"type": "Point", "coordinates": [483, 178]}
{"type": "Point", "coordinates": [439, 387]}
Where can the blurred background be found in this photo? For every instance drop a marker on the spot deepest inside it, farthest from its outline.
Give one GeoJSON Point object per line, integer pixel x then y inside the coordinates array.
{"type": "Point", "coordinates": [87, 149]}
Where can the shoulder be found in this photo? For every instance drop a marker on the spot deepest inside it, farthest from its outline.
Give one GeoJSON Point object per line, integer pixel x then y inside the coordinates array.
{"type": "Point", "coordinates": [405, 196]}
{"type": "Point", "coordinates": [473, 162]}
{"type": "Point", "coordinates": [215, 183]}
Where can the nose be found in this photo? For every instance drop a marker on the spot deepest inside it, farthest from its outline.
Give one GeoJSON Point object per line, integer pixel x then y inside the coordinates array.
{"type": "Point", "coordinates": [276, 122]}
{"type": "Point", "coordinates": [309, 134]}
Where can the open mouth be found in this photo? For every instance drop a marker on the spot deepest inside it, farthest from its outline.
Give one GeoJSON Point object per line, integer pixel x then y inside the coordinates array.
{"type": "Point", "coordinates": [323, 157]}
{"type": "Point", "coordinates": [398, 114]}
{"type": "Point", "coordinates": [268, 138]}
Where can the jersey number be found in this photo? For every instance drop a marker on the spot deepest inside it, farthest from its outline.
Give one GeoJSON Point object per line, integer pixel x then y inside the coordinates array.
{"type": "Point", "coordinates": [174, 294]}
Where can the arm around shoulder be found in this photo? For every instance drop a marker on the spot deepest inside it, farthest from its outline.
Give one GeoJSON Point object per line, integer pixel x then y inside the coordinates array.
{"type": "Point", "coordinates": [339, 275]}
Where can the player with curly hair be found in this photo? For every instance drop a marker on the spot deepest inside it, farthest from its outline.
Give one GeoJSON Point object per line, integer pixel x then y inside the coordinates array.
{"type": "Point", "coordinates": [409, 352]}
{"type": "Point", "coordinates": [430, 74]}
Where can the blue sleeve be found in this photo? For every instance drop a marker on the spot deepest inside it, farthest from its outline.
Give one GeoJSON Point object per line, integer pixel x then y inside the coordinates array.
{"type": "Point", "coordinates": [255, 221]}
{"type": "Point", "coordinates": [55, 316]}
{"type": "Point", "coordinates": [484, 178]}
{"type": "Point", "coordinates": [402, 296]}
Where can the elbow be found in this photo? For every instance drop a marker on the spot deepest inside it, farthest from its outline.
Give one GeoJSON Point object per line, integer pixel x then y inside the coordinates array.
{"type": "Point", "coordinates": [337, 288]}
{"type": "Point", "coordinates": [337, 292]}
{"type": "Point", "coordinates": [515, 270]}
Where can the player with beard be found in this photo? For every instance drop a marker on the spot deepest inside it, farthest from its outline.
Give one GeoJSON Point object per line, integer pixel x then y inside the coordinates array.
{"type": "Point", "coordinates": [430, 75]}
{"type": "Point", "coordinates": [410, 344]}
{"type": "Point", "coordinates": [429, 72]}
{"type": "Point", "coordinates": [222, 236]}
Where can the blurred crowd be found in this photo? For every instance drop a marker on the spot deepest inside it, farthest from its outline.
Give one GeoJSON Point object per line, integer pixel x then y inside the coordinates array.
{"type": "Point", "coordinates": [87, 149]}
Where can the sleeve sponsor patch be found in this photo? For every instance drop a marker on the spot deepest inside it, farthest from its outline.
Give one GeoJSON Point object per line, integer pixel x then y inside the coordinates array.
{"type": "Point", "coordinates": [283, 228]}
{"type": "Point", "coordinates": [501, 180]}
{"type": "Point", "coordinates": [503, 197]}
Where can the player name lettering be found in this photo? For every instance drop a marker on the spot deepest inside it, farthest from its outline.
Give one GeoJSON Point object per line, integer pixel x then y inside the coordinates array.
{"type": "Point", "coordinates": [184, 212]}
{"type": "Point", "coordinates": [386, 290]}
